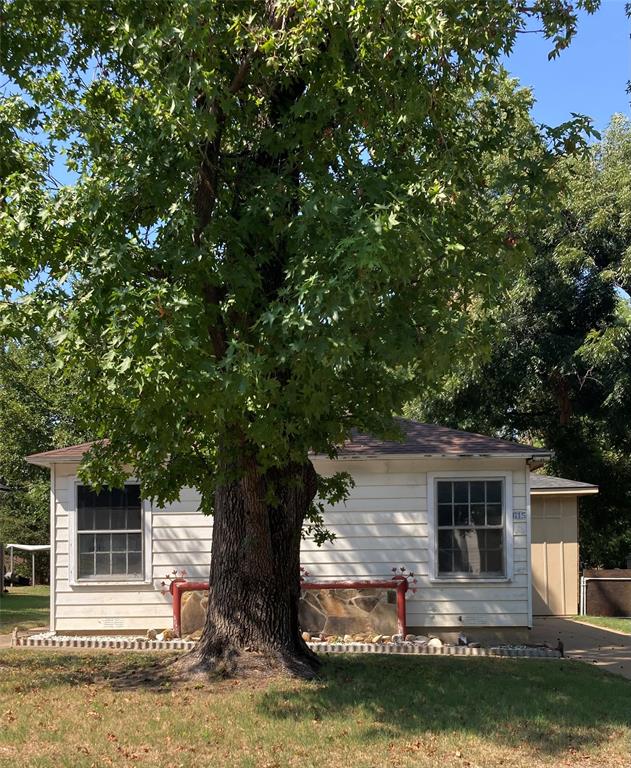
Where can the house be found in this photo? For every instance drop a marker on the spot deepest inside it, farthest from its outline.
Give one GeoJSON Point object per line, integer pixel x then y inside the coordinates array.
{"type": "Point", "coordinates": [462, 511]}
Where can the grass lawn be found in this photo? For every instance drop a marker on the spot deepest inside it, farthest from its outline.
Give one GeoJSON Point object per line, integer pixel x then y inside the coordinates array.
{"type": "Point", "coordinates": [608, 622]}
{"type": "Point", "coordinates": [83, 709]}
{"type": "Point", "coordinates": [24, 607]}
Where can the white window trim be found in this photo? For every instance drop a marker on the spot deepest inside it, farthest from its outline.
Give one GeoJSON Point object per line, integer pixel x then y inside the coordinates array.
{"type": "Point", "coordinates": [507, 484]}
{"type": "Point", "coordinates": [73, 549]}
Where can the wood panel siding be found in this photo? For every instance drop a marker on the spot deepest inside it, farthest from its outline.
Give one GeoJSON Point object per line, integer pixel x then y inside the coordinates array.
{"type": "Point", "coordinates": [554, 554]}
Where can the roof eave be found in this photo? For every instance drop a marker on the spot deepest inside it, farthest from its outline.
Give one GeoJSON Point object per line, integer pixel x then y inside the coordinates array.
{"type": "Point", "coordinates": [42, 461]}
{"type": "Point", "coordinates": [575, 491]}
{"type": "Point", "coordinates": [527, 455]}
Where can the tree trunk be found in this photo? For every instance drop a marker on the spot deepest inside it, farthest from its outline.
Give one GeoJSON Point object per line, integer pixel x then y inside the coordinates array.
{"type": "Point", "coordinates": [254, 586]}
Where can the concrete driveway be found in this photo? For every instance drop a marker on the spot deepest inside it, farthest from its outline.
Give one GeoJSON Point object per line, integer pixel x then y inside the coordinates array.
{"type": "Point", "coordinates": [602, 647]}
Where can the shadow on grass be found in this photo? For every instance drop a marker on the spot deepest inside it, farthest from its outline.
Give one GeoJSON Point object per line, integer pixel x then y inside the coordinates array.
{"type": "Point", "coordinates": [49, 669]}
{"type": "Point", "coordinates": [553, 706]}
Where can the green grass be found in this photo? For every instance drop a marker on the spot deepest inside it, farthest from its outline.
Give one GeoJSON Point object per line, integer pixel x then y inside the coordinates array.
{"type": "Point", "coordinates": [608, 622]}
{"type": "Point", "coordinates": [24, 607]}
{"type": "Point", "coordinates": [78, 710]}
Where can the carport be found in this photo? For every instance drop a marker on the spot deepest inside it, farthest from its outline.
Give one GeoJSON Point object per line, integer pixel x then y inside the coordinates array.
{"type": "Point", "coordinates": [32, 548]}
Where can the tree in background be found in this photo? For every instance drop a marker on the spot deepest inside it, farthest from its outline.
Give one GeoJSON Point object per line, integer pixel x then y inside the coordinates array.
{"type": "Point", "coordinates": [36, 403]}
{"type": "Point", "coordinates": [559, 373]}
{"type": "Point", "coordinates": [285, 218]}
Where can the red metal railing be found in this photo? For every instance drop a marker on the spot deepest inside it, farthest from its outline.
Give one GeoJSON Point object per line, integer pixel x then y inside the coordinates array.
{"type": "Point", "coordinates": [399, 583]}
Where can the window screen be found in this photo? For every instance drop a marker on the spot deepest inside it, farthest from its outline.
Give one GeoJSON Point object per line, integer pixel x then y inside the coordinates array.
{"type": "Point", "coordinates": [109, 532]}
{"type": "Point", "coordinates": [470, 517]}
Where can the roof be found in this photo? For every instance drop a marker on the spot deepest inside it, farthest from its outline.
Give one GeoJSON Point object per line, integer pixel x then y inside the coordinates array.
{"type": "Point", "coordinates": [418, 440]}
{"type": "Point", "coordinates": [29, 547]}
{"type": "Point", "coordinates": [434, 440]}
{"type": "Point", "coordinates": [72, 453]}
{"type": "Point", "coordinates": [543, 485]}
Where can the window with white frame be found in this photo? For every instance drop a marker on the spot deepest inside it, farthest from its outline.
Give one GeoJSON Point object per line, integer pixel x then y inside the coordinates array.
{"type": "Point", "coordinates": [470, 518]}
{"type": "Point", "coordinates": [109, 533]}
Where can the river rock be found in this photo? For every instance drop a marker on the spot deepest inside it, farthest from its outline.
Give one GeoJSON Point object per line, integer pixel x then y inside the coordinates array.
{"type": "Point", "coordinates": [434, 642]}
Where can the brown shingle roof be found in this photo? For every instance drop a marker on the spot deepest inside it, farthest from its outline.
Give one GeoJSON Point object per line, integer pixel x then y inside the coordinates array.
{"type": "Point", "coordinates": [542, 484]}
{"type": "Point", "coordinates": [434, 440]}
{"type": "Point", "coordinates": [60, 455]}
{"type": "Point", "coordinates": [418, 439]}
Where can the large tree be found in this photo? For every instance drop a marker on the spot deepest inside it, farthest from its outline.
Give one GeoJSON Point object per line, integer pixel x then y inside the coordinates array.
{"type": "Point", "coordinates": [283, 218]}
{"type": "Point", "coordinates": [560, 368]}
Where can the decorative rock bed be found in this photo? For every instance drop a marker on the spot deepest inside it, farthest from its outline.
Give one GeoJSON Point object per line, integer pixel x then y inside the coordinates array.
{"type": "Point", "coordinates": [406, 647]}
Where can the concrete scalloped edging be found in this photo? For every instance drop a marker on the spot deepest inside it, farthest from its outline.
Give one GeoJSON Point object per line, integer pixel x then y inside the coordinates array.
{"type": "Point", "coordinates": [134, 644]}
{"type": "Point", "coordinates": [103, 643]}
{"type": "Point", "coordinates": [425, 650]}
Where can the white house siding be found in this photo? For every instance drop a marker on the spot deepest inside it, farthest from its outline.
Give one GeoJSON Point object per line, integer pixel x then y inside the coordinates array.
{"type": "Point", "coordinates": [180, 538]}
{"type": "Point", "coordinates": [384, 524]}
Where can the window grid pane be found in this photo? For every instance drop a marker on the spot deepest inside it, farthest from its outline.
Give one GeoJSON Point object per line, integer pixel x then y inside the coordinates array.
{"type": "Point", "coordinates": [470, 527]}
{"type": "Point", "coordinates": [109, 532]}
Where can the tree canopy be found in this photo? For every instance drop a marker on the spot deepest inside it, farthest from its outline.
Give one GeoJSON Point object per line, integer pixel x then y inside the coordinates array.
{"type": "Point", "coordinates": [560, 372]}
{"type": "Point", "coordinates": [280, 219]}
{"type": "Point", "coordinates": [36, 413]}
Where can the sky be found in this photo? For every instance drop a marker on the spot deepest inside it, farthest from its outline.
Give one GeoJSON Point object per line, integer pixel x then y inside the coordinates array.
{"type": "Point", "coordinates": [590, 77]}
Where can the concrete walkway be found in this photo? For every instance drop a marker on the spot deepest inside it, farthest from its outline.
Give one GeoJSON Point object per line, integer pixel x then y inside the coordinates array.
{"type": "Point", "coordinates": [608, 650]}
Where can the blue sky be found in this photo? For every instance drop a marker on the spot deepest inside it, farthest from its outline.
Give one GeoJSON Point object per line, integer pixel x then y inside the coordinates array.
{"type": "Point", "coordinates": [589, 77]}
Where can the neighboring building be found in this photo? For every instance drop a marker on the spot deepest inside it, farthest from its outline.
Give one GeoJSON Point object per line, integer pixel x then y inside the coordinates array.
{"type": "Point", "coordinates": [451, 506]}
{"type": "Point", "coordinates": [554, 552]}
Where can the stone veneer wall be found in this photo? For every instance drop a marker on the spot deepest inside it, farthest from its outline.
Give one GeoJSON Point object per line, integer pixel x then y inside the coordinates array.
{"type": "Point", "coordinates": [326, 612]}
{"type": "Point", "coordinates": [193, 616]}
{"type": "Point", "coordinates": [334, 612]}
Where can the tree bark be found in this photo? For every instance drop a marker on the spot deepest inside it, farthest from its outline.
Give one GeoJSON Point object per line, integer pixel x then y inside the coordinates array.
{"type": "Point", "coordinates": [254, 587]}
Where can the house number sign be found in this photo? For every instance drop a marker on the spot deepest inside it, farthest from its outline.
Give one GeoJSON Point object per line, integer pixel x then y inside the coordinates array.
{"type": "Point", "coordinates": [519, 514]}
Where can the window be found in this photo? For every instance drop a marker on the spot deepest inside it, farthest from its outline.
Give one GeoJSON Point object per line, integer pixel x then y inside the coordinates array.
{"type": "Point", "coordinates": [470, 521]}
{"type": "Point", "coordinates": [109, 533]}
